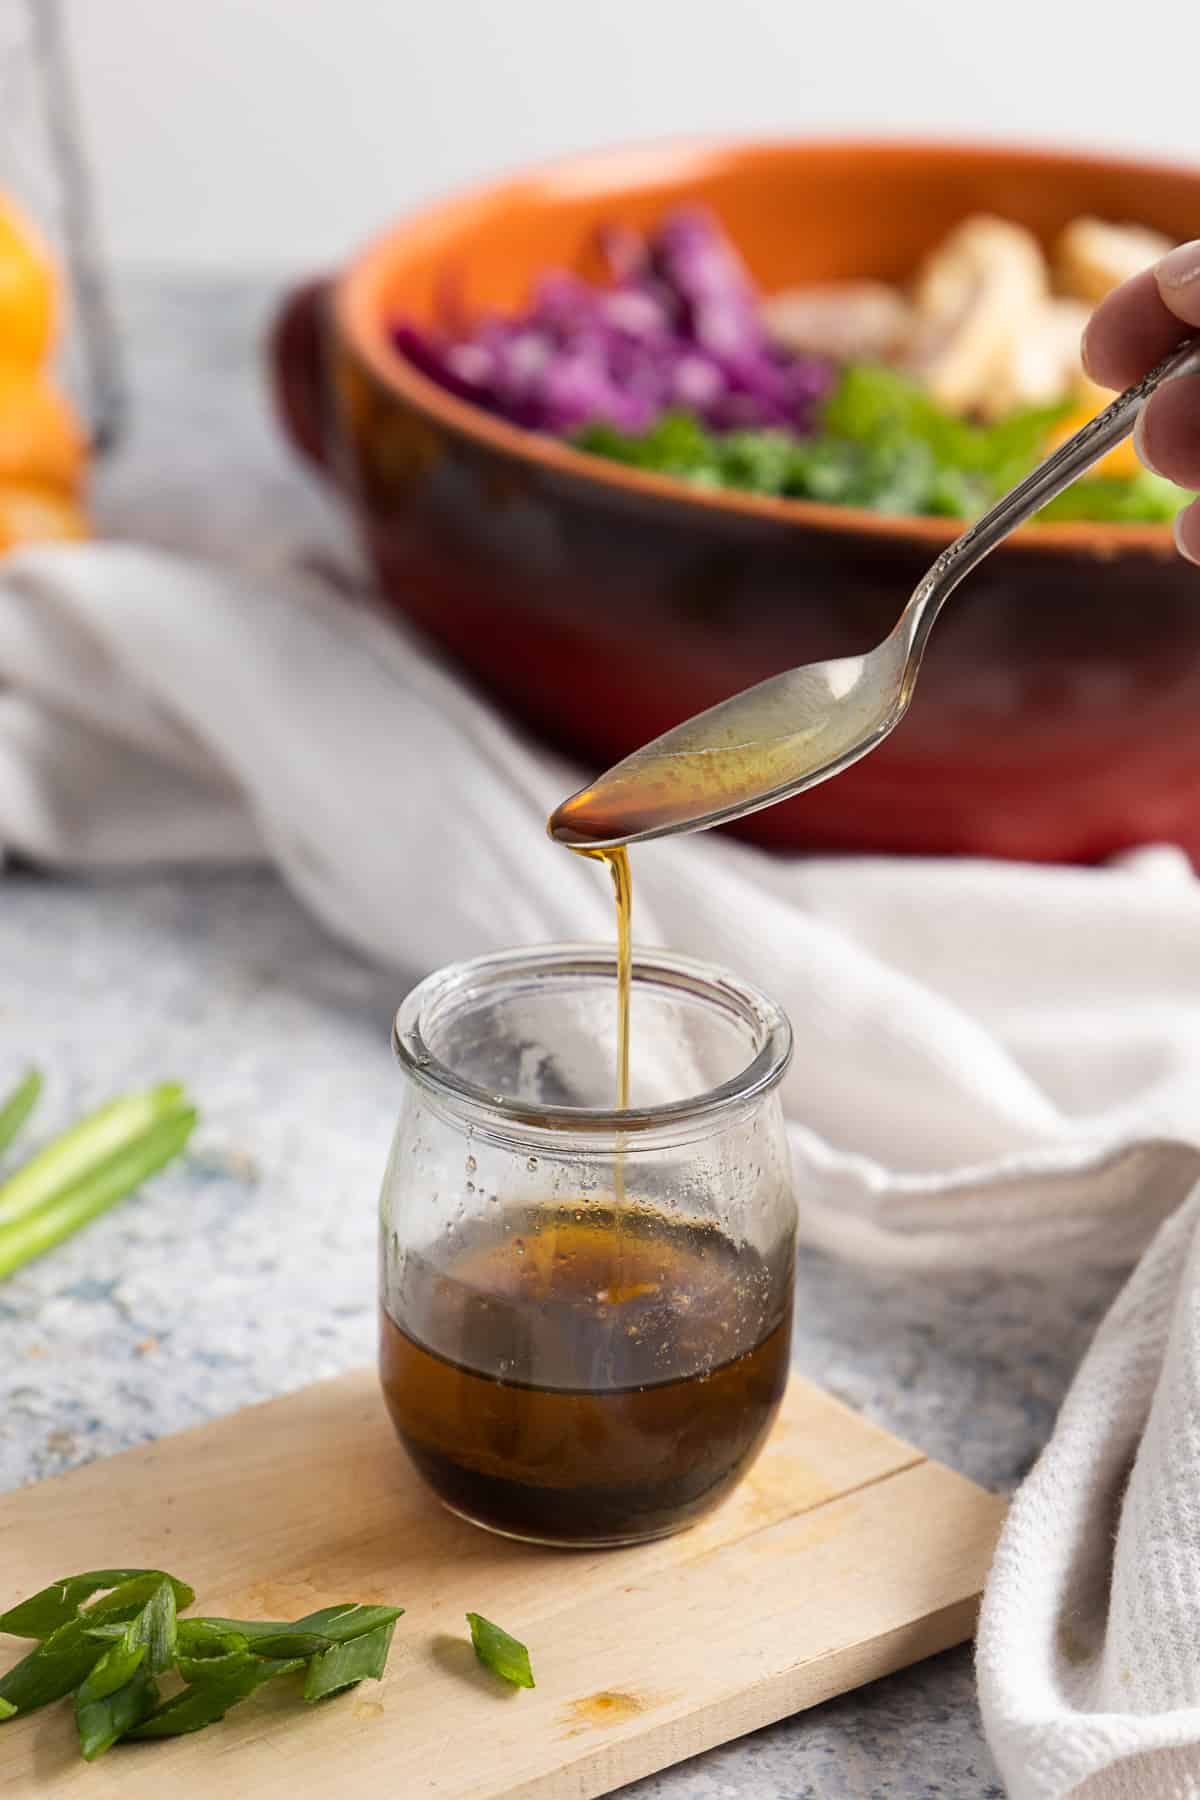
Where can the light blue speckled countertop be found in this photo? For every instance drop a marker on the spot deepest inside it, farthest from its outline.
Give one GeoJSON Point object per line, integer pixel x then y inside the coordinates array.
{"type": "Point", "coordinates": [250, 1268]}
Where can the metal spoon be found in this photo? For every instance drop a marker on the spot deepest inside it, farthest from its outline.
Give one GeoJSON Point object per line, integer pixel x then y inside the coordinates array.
{"type": "Point", "coordinates": [797, 729]}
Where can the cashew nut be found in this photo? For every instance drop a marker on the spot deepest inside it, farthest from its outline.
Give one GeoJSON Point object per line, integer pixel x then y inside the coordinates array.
{"type": "Point", "coordinates": [975, 297]}
{"type": "Point", "coordinates": [852, 321]}
{"type": "Point", "coordinates": [1091, 258]}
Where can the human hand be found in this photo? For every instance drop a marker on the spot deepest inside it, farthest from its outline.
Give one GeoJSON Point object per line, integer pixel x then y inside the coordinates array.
{"type": "Point", "coordinates": [1128, 333]}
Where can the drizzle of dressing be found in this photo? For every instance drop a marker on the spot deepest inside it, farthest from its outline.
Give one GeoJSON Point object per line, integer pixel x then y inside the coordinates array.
{"type": "Point", "coordinates": [617, 862]}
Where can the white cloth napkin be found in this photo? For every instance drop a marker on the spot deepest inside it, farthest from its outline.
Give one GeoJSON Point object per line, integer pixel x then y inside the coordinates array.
{"type": "Point", "coordinates": [995, 1064]}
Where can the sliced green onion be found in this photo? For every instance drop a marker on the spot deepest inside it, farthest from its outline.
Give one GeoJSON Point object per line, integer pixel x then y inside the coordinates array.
{"type": "Point", "coordinates": [53, 1606]}
{"type": "Point", "coordinates": [308, 1636]}
{"type": "Point", "coordinates": [150, 1636]}
{"type": "Point", "coordinates": [345, 1665]}
{"type": "Point", "coordinates": [504, 1655]}
{"type": "Point", "coordinates": [132, 1597]}
{"type": "Point", "coordinates": [53, 1670]}
{"type": "Point", "coordinates": [208, 1660]}
{"type": "Point", "coordinates": [107, 1654]}
{"type": "Point", "coordinates": [206, 1701]}
{"type": "Point", "coordinates": [63, 1212]}
{"type": "Point", "coordinates": [119, 1664]}
{"type": "Point", "coordinates": [18, 1106]}
{"type": "Point", "coordinates": [74, 1155]}
{"type": "Point", "coordinates": [101, 1722]}
{"type": "Point", "coordinates": [338, 1624]}
{"type": "Point", "coordinates": [67, 1657]}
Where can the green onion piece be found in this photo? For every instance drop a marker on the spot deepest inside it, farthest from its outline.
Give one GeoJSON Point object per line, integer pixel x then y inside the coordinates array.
{"type": "Point", "coordinates": [310, 1635]}
{"type": "Point", "coordinates": [204, 1652]}
{"type": "Point", "coordinates": [119, 1664]}
{"type": "Point", "coordinates": [203, 1637]}
{"type": "Point", "coordinates": [210, 1667]}
{"type": "Point", "coordinates": [197, 1631]}
{"type": "Point", "coordinates": [101, 1722]}
{"type": "Point", "coordinates": [92, 1193]}
{"type": "Point", "coordinates": [341, 1623]}
{"type": "Point", "coordinates": [45, 1611]}
{"type": "Point", "coordinates": [200, 1640]}
{"type": "Point", "coordinates": [126, 1601]}
{"type": "Point", "coordinates": [504, 1655]}
{"type": "Point", "coordinates": [66, 1658]}
{"type": "Point", "coordinates": [108, 1653]}
{"type": "Point", "coordinates": [74, 1154]}
{"type": "Point", "coordinates": [285, 1642]}
{"type": "Point", "coordinates": [345, 1665]}
{"type": "Point", "coordinates": [53, 1670]}
{"type": "Point", "coordinates": [149, 1636]}
{"type": "Point", "coordinates": [155, 1627]}
{"type": "Point", "coordinates": [207, 1700]}
{"type": "Point", "coordinates": [18, 1106]}
{"type": "Point", "coordinates": [290, 1644]}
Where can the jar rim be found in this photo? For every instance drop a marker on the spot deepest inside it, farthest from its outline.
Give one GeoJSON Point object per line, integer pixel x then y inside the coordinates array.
{"type": "Point", "coordinates": [711, 984]}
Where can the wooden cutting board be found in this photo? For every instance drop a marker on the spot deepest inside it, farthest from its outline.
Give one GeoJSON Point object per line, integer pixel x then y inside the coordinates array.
{"type": "Point", "coordinates": [844, 1555]}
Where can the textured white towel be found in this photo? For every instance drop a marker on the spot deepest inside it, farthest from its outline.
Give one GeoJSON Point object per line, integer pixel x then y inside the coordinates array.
{"type": "Point", "coordinates": [995, 1064]}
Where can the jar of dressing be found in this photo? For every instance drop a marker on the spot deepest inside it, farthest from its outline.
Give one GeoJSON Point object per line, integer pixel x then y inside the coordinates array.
{"type": "Point", "coordinates": [586, 1312]}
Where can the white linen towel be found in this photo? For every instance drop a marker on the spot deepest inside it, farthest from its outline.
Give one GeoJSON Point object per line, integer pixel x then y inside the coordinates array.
{"type": "Point", "coordinates": [996, 1064]}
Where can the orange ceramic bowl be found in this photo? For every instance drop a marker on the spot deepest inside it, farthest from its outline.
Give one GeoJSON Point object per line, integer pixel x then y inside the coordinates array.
{"type": "Point", "coordinates": [1056, 715]}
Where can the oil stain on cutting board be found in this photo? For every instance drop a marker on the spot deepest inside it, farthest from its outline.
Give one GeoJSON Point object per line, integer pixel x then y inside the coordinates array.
{"type": "Point", "coordinates": [843, 1556]}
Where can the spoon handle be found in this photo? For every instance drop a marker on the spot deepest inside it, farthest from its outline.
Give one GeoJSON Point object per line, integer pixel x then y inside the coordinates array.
{"type": "Point", "coordinates": [1058, 471]}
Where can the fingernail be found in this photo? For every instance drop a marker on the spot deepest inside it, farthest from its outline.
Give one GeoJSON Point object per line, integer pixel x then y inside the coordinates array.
{"type": "Point", "coordinates": [1084, 357]}
{"type": "Point", "coordinates": [1183, 530]}
{"type": "Point", "coordinates": [1139, 444]}
{"type": "Point", "coordinates": [1180, 267]}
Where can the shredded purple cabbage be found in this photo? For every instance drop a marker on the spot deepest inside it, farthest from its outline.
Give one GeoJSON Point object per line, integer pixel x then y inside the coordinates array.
{"type": "Point", "coordinates": [677, 329]}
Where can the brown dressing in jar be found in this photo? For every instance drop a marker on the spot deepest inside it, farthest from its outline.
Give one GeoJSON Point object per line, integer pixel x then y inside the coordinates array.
{"type": "Point", "coordinates": [569, 1409]}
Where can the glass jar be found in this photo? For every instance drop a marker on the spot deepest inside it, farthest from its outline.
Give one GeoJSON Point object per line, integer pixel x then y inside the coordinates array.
{"type": "Point", "coordinates": [585, 1313]}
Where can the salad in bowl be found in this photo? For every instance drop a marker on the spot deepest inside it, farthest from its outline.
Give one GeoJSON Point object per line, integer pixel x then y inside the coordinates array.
{"type": "Point", "coordinates": [930, 397]}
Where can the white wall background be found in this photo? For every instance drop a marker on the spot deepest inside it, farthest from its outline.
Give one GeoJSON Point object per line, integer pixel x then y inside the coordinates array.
{"type": "Point", "coordinates": [282, 132]}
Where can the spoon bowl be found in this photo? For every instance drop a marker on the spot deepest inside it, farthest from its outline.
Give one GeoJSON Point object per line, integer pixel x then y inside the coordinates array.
{"type": "Point", "coordinates": [743, 754]}
{"type": "Point", "coordinates": [794, 730]}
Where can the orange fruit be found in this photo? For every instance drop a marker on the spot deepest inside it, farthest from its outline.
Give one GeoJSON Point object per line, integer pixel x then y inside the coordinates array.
{"type": "Point", "coordinates": [28, 291]}
{"type": "Point", "coordinates": [30, 515]}
{"type": "Point", "coordinates": [40, 438]}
